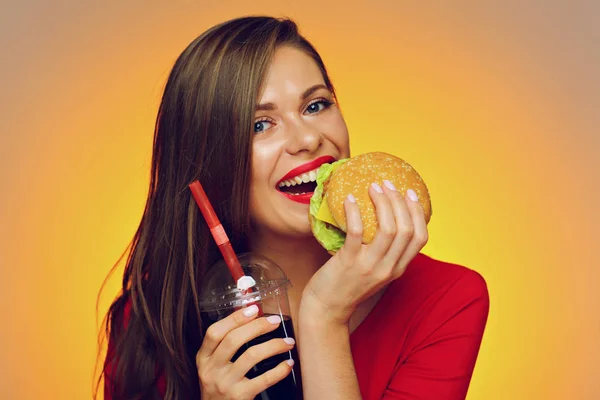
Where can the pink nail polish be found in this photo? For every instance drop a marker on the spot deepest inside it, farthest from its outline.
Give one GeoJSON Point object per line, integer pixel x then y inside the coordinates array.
{"type": "Point", "coordinates": [389, 185]}
{"type": "Point", "coordinates": [289, 340]}
{"type": "Point", "coordinates": [412, 195]}
{"type": "Point", "coordinates": [351, 198]}
{"type": "Point", "coordinates": [377, 188]}
{"type": "Point", "coordinates": [290, 362]}
{"type": "Point", "coordinates": [274, 319]}
{"type": "Point", "coordinates": [250, 311]}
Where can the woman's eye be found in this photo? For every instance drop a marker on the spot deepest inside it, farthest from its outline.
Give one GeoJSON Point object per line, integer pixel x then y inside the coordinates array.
{"type": "Point", "coordinates": [317, 106]}
{"type": "Point", "coordinates": [261, 126]}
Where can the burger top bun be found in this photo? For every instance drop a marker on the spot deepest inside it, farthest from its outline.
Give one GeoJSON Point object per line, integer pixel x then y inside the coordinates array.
{"type": "Point", "coordinates": [355, 177]}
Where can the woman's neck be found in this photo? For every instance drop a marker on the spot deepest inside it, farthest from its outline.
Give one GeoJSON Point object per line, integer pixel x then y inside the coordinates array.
{"type": "Point", "coordinates": [299, 258]}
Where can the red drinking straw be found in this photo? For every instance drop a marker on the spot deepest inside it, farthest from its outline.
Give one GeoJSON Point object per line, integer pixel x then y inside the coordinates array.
{"type": "Point", "coordinates": [219, 234]}
{"type": "Point", "coordinates": [216, 228]}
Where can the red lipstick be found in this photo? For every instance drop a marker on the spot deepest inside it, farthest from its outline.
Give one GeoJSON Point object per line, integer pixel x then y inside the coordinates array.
{"type": "Point", "coordinates": [309, 166]}
{"type": "Point", "coordinates": [299, 170]}
{"type": "Point", "coordinates": [299, 198]}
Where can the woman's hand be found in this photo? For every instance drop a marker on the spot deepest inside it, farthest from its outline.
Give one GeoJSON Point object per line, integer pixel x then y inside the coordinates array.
{"type": "Point", "coordinates": [357, 271]}
{"type": "Point", "coordinates": [222, 379]}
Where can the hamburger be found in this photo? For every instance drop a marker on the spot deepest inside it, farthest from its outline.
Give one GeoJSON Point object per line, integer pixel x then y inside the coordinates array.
{"type": "Point", "coordinates": [335, 181]}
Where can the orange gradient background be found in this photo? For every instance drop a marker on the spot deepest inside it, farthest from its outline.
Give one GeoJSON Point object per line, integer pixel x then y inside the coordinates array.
{"type": "Point", "coordinates": [495, 104]}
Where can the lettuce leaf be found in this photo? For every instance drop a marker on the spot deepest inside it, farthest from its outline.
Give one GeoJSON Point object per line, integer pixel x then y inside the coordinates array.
{"type": "Point", "coordinates": [330, 237]}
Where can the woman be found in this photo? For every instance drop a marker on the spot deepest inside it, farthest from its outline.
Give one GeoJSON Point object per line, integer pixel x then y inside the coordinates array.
{"type": "Point", "coordinates": [245, 103]}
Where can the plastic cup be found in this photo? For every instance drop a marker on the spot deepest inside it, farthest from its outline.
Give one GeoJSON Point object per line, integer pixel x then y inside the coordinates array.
{"type": "Point", "coordinates": [219, 297]}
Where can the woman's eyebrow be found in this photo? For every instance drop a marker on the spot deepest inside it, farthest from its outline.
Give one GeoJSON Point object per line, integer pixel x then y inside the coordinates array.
{"type": "Point", "coordinates": [266, 107]}
{"type": "Point", "coordinates": [304, 96]}
{"type": "Point", "coordinates": [311, 90]}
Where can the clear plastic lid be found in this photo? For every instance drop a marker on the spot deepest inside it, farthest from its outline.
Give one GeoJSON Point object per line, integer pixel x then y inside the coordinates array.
{"type": "Point", "coordinates": [219, 290]}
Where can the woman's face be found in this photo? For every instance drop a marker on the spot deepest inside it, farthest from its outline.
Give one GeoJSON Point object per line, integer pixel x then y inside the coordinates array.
{"type": "Point", "coordinates": [297, 128]}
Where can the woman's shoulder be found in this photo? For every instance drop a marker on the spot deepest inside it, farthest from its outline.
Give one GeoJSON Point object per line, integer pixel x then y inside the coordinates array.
{"type": "Point", "coordinates": [432, 292]}
{"type": "Point", "coordinates": [433, 315]}
{"type": "Point", "coordinates": [426, 276]}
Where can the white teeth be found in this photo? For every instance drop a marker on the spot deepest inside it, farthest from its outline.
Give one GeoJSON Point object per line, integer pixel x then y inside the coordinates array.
{"type": "Point", "coordinates": [306, 177]}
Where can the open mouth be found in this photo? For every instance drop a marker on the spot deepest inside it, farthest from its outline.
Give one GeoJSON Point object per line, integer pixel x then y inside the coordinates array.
{"type": "Point", "coordinates": [300, 183]}
{"type": "Point", "coordinates": [303, 184]}
{"type": "Point", "coordinates": [299, 188]}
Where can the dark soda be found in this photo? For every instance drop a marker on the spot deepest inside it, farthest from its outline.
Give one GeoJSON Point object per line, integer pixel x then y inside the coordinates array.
{"type": "Point", "coordinates": [289, 388]}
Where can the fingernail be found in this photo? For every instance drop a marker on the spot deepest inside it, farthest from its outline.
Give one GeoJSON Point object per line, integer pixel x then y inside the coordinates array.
{"type": "Point", "coordinates": [289, 340]}
{"type": "Point", "coordinates": [412, 195]}
{"type": "Point", "coordinates": [351, 198]}
{"type": "Point", "coordinates": [290, 362]}
{"type": "Point", "coordinates": [377, 188]}
{"type": "Point", "coordinates": [250, 311]}
{"type": "Point", "coordinates": [274, 319]}
{"type": "Point", "coordinates": [389, 185]}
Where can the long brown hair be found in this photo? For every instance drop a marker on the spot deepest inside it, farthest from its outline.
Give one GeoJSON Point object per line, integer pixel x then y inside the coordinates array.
{"type": "Point", "coordinates": [203, 131]}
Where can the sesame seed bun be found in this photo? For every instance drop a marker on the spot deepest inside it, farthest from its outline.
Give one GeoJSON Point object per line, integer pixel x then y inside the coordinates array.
{"type": "Point", "coordinates": [356, 175]}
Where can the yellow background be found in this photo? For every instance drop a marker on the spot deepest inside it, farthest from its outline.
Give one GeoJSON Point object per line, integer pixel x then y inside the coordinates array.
{"type": "Point", "coordinates": [494, 103]}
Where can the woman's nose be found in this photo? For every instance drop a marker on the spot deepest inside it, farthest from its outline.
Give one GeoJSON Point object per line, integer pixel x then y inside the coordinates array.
{"type": "Point", "coordinates": [304, 137]}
